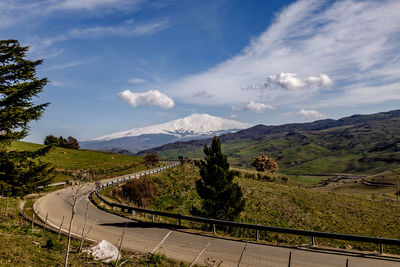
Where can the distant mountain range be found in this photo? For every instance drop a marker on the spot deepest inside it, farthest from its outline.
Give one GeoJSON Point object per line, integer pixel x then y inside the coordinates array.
{"type": "Point", "coordinates": [355, 144]}
{"type": "Point", "coordinates": [196, 126]}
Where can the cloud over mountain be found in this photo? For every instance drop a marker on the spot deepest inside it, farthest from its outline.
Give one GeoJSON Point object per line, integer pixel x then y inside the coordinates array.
{"type": "Point", "coordinates": [149, 98]}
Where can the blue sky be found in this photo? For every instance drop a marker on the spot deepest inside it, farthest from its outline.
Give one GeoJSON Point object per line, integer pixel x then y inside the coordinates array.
{"type": "Point", "coordinates": [121, 64]}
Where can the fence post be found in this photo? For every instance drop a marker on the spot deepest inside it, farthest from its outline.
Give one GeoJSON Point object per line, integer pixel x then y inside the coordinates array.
{"type": "Point", "coordinates": [313, 239]}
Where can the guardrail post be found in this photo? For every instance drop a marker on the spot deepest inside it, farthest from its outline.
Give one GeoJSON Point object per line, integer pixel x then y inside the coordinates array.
{"type": "Point", "coordinates": [312, 239]}
{"type": "Point", "coordinates": [179, 220]}
{"type": "Point", "coordinates": [257, 235]}
{"type": "Point", "coordinates": [133, 213]}
{"type": "Point", "coordinates": [214, 230]}
{"type": "Point", "coordinates": [152, 217]}
{"type": "Point", "coordinates": [381, 247]}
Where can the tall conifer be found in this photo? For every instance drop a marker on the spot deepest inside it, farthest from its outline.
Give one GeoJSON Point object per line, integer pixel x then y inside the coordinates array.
{"type": "Point", "coordinates": [20, 172]}
{"type": "Point", "coordinates": [221, 197]}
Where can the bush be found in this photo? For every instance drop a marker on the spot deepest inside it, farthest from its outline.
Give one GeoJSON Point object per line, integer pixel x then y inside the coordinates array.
{"type": "Point", "coordinates": [263, 163]}
{"type": "Point", "coordinates": [139, 191]}
{"type": "Point", "coordinates": [156, 259]}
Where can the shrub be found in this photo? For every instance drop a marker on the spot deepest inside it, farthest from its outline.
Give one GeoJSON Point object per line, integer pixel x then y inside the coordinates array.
{"type": "Point", "coordinates": [139, 191]}
{"type": "Point", "coordinates": [263, 163]}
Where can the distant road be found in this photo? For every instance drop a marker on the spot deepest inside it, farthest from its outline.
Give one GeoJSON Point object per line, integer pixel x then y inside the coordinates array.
{"type": "Point", "coordinates": [184, 246]}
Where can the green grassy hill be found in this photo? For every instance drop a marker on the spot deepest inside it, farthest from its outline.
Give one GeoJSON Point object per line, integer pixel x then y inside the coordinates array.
{"type": "Point", "coordinates": [70, 163]}
{"type": "Point", "coordinates": [286, 205]}
{"type": "Point", "coordinates": [367, 144]}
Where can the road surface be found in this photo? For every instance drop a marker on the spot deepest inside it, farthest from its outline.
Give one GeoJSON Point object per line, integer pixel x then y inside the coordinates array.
{"type": "Point", "coordinates": [184, 246]}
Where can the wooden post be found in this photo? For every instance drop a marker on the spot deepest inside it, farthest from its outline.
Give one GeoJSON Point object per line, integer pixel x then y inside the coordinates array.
{"type": "Point", "coordinates": [59, 229]}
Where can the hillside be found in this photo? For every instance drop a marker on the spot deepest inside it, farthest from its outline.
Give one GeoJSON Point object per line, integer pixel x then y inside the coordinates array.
{"type": "Point", "coordinates": [70, 163]}
{"type": "Point", "coordinates": [285, 205]}
{"type": "Point", "coordinates": [357, 144]}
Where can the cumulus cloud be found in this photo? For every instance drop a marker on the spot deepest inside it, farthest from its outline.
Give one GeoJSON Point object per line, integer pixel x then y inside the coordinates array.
{"type": "Point", "coordinates": [253, 106]}
{"type": "Point", "coordinates": [290, 81]}
{"type": "Point", "coordinates": [309, 114]}
{"type": "Point", "coordinates": [149, 98]}
{"type": "Point", "coordinates": [351, 42]}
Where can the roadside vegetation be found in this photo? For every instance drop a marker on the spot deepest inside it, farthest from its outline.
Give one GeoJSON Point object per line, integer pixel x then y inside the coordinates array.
{"type": "Point", "coordinates": [283, 205]}
{"type": "Point", "coordinates": [39, 247]}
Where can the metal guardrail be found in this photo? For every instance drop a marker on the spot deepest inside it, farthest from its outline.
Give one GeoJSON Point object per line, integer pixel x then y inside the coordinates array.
{"type": "Point", "coordinates": [369, 239]}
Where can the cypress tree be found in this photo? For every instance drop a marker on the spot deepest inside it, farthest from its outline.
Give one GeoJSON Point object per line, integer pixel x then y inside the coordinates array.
{"type": "Point", "coordinates": [20, 172]}
{"type": "Point", "coordinates": [221, 197]}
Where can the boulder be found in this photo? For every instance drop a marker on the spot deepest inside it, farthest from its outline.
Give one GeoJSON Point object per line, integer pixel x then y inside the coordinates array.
{"type": "Point", "coordinates": [104, 251]}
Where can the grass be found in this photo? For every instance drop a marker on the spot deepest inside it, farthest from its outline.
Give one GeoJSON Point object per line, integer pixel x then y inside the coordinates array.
{"type": "Point", "coordinates": [286, 205]}
{"type": "Point", "coordinates": [70, 163]}
{"type": "Point", "coordinates": [43, 248]}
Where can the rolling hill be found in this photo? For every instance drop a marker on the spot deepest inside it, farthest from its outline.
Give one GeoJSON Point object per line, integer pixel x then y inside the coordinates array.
{"type": "Point", "coordinates": [356, 144]}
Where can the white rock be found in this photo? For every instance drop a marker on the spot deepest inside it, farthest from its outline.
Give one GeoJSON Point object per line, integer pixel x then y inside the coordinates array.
{"type": "Point", "coordinates": [104, 251]}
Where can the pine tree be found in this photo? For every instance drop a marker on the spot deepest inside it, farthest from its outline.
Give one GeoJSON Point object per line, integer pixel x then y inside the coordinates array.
{"type": "Point", "coordinates": [221, 197]}
{"type": "Point", "coordinates": [20, 172]}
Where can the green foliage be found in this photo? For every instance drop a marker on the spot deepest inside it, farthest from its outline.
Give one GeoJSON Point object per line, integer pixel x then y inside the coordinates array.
{"type": "Point", "coordinates": [156, 259]}
{"type": "Point", "coordinates": [70, 142]}
{"type": "Point", "coordinates": [20, 172]}
{"type": "Point", "coordinates": [152, 159]}
{"type": "Point", "coordinates": [221, 197]}
{"type": "Point", "coordinates": [18, 85]}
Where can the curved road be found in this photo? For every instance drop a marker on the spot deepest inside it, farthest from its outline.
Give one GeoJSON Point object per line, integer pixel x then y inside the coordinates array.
{"type": "Point", "coordinates": [180, 245]}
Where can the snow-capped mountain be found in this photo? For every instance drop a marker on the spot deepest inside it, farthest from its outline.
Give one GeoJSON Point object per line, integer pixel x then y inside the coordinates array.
{"type": "Point", "coordinates": [195, 126]}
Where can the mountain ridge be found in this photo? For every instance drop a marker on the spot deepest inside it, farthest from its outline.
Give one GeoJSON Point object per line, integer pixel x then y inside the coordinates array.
{"type": "Point", "coordinates": [354, 144]}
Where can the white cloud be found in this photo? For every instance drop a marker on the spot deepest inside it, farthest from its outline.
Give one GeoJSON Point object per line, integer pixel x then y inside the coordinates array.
{"type": "Point", "coordinates": [136, 80]}
{"type": "Point", "coordinates": [91, 4]}
{"type": "Point", "coordinates": [290, 81]}
{"type": "Point", "coordinates": [149, 98]}
{"type": "Point", "coordinates": [309, 114]}
{"type": "Point", "coordinates": [253, 106]}
{"type": "Point", "coordinates": [128, 28]}
{"type": "Point", "coordinates": [351, 42]}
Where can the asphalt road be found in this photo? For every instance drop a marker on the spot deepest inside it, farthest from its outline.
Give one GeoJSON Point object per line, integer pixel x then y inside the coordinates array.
{"type": "Point", "coordinates": [181, 245]}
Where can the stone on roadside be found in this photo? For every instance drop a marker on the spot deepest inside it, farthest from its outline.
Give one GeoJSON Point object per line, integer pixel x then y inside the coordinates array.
{"type": "Point", "coordinates": [104, 251]}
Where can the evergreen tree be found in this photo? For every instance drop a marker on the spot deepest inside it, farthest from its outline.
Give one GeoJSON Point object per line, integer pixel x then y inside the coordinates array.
{"type": "Point", "coordinates": [20, 172]}
{"type": "Point", "coordinates": [221, 197]}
